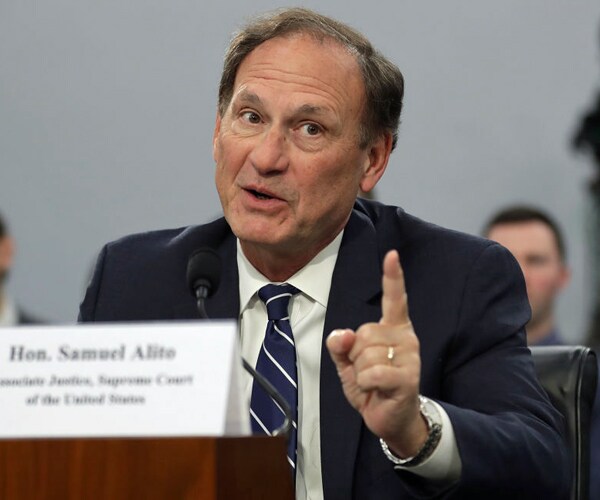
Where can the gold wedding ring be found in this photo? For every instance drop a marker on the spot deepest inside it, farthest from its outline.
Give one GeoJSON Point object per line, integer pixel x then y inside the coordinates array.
{"type": "Point", "coordinates": [390, 354]}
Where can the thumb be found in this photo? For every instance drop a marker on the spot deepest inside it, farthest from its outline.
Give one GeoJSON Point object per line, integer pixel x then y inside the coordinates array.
{"type": "Point", "coordinates": [339, 344]}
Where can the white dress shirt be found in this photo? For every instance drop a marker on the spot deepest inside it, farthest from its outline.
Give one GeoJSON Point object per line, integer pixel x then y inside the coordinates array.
{"type": "Point", "coordinates": [9, 315]}
{"type": "Point", "coordinates": [307, 318]}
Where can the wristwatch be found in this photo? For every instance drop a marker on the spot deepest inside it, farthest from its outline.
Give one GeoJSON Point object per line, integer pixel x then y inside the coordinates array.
{"type": "Point", "coordinates": [434, 423]}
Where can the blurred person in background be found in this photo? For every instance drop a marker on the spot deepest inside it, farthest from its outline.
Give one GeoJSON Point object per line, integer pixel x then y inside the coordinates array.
{"type": "Point", "coordinates": [10, 313]}
{"type": "Point", "coordinates": [536, 241]}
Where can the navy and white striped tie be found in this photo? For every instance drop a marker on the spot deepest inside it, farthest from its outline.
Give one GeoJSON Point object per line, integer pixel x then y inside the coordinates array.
{"type": "Point", "coordinates": [277, 362]}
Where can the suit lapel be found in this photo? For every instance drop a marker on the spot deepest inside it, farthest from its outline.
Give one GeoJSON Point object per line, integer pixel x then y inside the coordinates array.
{"type": "Point", "coordinates": [354, 299]}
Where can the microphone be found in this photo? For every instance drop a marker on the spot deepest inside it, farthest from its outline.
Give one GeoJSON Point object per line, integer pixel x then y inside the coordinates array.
{"type": "Point", "coordinates": [203, 275]}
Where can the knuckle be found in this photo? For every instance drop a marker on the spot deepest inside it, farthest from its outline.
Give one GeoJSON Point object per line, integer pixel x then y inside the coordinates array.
{"type": "Point", "coordinates": [371, 356]}
{"type": "Point", "coordinates": [377, 374]}
{"type": "Point", "coordinates": [369, 378]}
{"type": "Point", "coordinates": [365, 331]}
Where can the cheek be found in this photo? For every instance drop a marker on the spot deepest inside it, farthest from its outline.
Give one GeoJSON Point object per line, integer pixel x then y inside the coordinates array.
{"type": "Point", "coordinates": [227, 164]}
{"type": "Point", "coordinates": [541, 282]}
{"type": "Point", "coordinates": [340, 174]}
{"type": "Point", "coordinates": [323, 189]}
{"type": "Point", "coordinates": [327, 197]}
{"type": "Point", "coordinates": [224, 179]}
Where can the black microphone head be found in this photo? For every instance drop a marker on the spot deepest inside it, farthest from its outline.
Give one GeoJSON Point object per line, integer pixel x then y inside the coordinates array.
{"type": "Point", "coordinates": [204, 269]}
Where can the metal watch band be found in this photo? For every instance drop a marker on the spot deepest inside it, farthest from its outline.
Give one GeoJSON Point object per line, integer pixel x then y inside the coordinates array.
{"type": "Point", "coordinates": [435, 433]}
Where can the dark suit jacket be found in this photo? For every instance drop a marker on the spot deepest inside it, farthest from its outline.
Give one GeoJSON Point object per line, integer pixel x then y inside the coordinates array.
{"type": "Point", "coordinates": [468, 305]}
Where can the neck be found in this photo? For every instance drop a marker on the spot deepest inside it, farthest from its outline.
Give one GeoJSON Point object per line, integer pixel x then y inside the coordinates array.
{"type": "Point", "coordinates": [538, 330]}
{"type": "Point", "coordinates": [279, 266]}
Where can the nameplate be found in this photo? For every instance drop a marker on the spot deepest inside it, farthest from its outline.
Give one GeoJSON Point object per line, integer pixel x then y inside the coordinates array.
{"type": "Point", "coordinates": [116, 380]}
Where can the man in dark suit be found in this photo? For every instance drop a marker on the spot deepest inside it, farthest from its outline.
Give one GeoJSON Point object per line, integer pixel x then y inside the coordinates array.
{"type": "Point", "coordinates": [438, 402]}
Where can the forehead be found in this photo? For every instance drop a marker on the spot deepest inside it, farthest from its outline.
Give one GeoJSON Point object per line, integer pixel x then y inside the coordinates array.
{"type": "Point", "coordinates": [302, 62]}
{"type": "Point", "coordinates": [529, 236]}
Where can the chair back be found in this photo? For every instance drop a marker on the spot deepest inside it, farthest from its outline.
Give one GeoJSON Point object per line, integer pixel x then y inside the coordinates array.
{"type": "Point", "coordinates": [569, 375]}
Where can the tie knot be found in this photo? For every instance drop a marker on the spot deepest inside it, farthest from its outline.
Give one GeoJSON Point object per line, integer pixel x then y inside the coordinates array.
{"type": "Point", "coordinates": [277, 299]}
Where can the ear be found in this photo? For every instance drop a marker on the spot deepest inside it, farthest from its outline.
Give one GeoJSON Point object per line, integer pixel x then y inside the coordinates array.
{"type": "Point", "coordinates": [565, 276]}
{"type": "Point", "coordinates": [216, 133]}
{"type": "Point", "coordinates": [378, 155]}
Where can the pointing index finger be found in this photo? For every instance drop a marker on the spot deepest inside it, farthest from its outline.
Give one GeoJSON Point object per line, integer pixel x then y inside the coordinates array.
{"type": "Point", "coordinates": [394, 304]}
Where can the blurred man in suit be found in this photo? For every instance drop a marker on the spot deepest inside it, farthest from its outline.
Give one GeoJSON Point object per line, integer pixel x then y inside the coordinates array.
{"type": "Point", "coordinates": [438, 403]}
{"type": "Point", "coordinates": [536, 241]}
{"type": "Point", "coordinates": [10, 313]}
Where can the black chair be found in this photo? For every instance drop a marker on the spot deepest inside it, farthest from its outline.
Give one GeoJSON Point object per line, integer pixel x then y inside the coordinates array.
{"type": "Point", "coordinates": [569, 375]}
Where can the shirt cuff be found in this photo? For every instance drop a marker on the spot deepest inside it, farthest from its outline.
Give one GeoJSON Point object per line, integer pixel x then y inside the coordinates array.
{"type": "Point", "coordinates": [444, 464]}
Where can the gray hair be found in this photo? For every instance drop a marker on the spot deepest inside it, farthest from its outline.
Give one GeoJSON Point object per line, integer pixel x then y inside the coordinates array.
{"type": "Point", "coordinates": [383, 81]}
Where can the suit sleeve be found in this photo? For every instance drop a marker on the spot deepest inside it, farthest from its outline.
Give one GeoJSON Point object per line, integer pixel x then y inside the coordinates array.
{"type": "Point", "coordinates": [509, 437]}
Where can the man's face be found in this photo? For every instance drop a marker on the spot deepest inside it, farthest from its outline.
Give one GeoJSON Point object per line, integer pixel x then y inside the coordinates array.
{"type": "Point", "coordinates": [534, 246]}
{"type": "Point", "coordinates": [288, 162]}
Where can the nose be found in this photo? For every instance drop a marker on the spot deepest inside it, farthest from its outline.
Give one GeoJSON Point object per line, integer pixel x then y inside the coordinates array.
{"type": "Point", "coordinates": [269, 154]}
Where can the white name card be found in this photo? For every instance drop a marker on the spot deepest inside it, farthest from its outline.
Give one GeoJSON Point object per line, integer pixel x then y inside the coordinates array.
{"type": "Point", "coordinates": [154, 379]}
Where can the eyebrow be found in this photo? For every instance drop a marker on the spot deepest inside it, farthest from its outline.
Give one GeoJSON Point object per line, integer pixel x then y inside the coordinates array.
{"type": "Point", "coordinates": [245, 96]}
{"type": "Point", "coordinates": [311, 109]}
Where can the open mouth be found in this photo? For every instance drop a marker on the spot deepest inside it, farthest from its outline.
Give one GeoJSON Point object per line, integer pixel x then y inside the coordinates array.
{"type": "Point", "coordinates": [259, 195]}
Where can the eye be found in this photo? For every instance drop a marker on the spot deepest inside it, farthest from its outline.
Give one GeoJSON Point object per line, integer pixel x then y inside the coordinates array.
{"type": "Point", "coordinates": [251, 117]}
{"type": "Point", "coordinates": [311, 129]}
{"type": "Point", "coordinates": [537, 260]}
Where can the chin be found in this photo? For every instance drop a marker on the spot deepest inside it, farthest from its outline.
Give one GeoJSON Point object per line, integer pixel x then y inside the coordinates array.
{"type": "Point", "coordinates": [255, 234]}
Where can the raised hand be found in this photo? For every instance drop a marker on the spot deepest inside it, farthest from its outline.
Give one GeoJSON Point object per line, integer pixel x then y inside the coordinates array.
{"type": "Point", "coordinates": [379, 366]}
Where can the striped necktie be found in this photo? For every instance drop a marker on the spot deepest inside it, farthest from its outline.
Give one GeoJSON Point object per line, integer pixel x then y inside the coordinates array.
{"type": "Point", "coordinates": [277, 362]}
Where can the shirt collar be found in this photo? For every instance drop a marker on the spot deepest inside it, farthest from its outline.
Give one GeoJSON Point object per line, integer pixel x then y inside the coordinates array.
{"type": "Point", "coordinates": [9, 315]}
{"type": "Point", "coordinates": [314, 279]}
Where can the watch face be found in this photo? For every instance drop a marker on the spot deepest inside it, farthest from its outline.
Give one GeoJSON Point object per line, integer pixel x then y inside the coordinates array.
{"type": "Point", "coordinates": [430, 411]}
